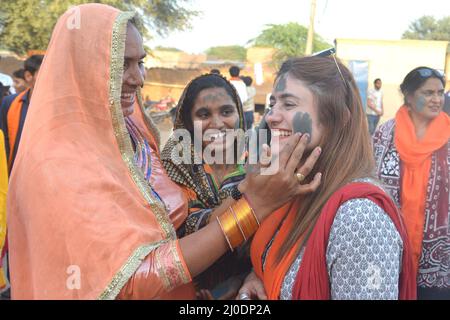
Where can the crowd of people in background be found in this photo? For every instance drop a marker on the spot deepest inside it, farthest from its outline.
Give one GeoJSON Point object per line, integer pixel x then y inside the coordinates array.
{"type": "Point", "coordinates": [351, 209]}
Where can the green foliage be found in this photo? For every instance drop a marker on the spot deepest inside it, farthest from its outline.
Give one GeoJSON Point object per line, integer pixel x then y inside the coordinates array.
{"type": "Point", "coordinates": [428, 28]}
{"type": "Point", "coordinates": [230, 53]}
{"type": "Point", "coordinates": [27, 24]}
{"type": "Point", "coordinates": [289, 40]}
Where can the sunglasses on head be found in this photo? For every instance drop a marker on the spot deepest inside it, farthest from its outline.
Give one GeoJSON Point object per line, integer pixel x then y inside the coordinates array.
{"type": "Point", "coordinates": [427, 72]}
{"type": "Point", "coordinates": [331, 52]}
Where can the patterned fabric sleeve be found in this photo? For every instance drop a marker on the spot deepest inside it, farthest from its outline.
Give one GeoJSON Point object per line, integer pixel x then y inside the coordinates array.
{"type": "Point", "coordinates": [194, 222]}
{"type": "Point", "coordinates": [382, 140]}
{"type": "Point", "coordinates": [198, 215]}
{"type": "Point", "coordinates": [387, 159]}
{"type": "Point", "coordinates": [364, 253]}
{"type": "Point", "coordinates": [160, 272]}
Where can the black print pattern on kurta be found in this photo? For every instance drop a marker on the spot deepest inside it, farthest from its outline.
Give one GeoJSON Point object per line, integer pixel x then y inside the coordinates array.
{"type": "Point", "coordinates": [363, 255]}
{"type": "Point", "coordinates": [434, 264]}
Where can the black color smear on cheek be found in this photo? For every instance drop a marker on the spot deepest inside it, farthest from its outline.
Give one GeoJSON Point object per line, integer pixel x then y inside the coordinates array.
{"type": "Point", "coordinates": [302, 123]}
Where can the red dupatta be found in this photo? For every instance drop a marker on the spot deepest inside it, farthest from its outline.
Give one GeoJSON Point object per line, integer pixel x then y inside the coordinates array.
{"type": "Point", "coordinates": [312, 281]}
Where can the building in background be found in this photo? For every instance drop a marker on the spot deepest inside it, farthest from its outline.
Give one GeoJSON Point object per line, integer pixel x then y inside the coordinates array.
{"type": "Point", "coordinates": [391, 60]}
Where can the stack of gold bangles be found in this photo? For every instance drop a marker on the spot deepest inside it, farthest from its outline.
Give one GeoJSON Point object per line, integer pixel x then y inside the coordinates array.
{"type": "Point", "coordinates": [238, 223]}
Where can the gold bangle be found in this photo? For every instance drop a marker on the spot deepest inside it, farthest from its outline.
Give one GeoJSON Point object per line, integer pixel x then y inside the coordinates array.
{"type": "Point", "coordinates": [226, 238]}
{"type": "Point", "coordinates": [237, 222]}
{"type": "Point", "coordinates": [245, 218]}
{"type": "Point", "coordinates": [253, 211]}
{"type": "Point", "coordinates": [230, 229]}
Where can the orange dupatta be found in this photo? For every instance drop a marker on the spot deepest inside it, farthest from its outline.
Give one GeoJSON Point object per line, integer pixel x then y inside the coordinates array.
{"type": "Point", "coordinates": [81, 215]}
{"type": "Point", "coordinates": [416, 158]}
{"type": "Point", "coordinates": [274, 273]}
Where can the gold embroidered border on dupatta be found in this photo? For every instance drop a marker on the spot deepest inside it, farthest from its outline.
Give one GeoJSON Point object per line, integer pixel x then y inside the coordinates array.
{"type": "Point", "coordinates": [126, 149]}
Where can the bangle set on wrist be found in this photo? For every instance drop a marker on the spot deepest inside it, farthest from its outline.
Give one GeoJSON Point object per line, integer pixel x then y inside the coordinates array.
{"type": "Point", "coordinates": [238, 223]}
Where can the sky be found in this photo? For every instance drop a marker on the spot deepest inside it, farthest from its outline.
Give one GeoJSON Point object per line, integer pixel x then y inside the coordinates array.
{"type": "Point", "coordinates": [235, 22]}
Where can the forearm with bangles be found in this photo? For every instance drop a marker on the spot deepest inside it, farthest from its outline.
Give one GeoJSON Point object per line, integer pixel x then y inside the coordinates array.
{"type": "Point", "coordinates": [238, 223]}
{"type": "Point", "coordinates": [204, 247]}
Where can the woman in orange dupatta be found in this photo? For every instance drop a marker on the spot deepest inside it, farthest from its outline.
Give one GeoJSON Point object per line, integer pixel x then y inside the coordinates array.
{"type": "Point", "coordinates": [347, 239]}
{"type": "Point", "coordinates": [413, 160]}
{"type": "Point", "coordinates": [91, 211]}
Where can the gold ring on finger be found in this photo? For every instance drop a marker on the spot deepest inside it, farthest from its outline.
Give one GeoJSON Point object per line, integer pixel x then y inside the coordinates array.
{"type": "Point", "coordinates": [300, 177]}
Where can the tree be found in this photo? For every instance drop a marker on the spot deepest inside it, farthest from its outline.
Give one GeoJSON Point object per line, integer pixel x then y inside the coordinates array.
{"type": "Point", "coordinates": [231, 53]}
{"type": "Point", "coordinates": [27, 24]}
{"type": "Point", "coordinates": [428, 28]}
{"type": "Point", "coordinates": [289, 40]}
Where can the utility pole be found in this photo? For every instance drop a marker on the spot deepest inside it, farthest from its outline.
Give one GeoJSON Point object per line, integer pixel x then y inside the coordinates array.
{"type": "Point", "coordinates": [310, 40]}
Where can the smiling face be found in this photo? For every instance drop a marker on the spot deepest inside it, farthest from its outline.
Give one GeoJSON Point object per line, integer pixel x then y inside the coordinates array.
{"type": "Point", "coordinates": [293, 109]}
{"type": "Point", "coordinates": [427, 101]}
{"type": "Point", "coordinates": [133, 69]}
{"type": "Point", "coordinates": [214, 110]}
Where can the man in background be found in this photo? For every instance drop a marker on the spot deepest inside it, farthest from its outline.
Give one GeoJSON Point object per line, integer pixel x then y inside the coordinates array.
{"type": "Point", "coordinates": [374, 108]}
{"type": "Point", "coordinates": [249, 104]}
{"type": "Point", "coordinates": [20, 84]}
{"type": "Point", "coordinates": [14, 109]}
{"type": "Point", "coordinates": [237, 82]}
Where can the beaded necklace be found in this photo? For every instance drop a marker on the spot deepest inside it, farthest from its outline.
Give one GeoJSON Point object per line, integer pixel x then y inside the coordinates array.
{"type": "Point", "coordinates": [142, 154]}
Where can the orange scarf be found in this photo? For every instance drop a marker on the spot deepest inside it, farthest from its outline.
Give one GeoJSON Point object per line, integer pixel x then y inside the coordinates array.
{"type": "Point", "coordinates": [416, 163]}
{"type": "Point", "coordinates": [274, 272]}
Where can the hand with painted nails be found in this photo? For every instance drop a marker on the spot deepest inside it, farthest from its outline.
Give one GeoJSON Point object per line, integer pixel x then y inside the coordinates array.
{"type": "Point", "coordinates": [268, 187]}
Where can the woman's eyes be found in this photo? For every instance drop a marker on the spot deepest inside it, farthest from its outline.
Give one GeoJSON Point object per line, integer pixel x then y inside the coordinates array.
{"type": "Point", "coordinates": [285, 104]}
{"type": "Point", "coordinates": [203, 115]}
{"type": "Point", "coordinates": [224, 112]}
{"type": "Point", "coordinates": [126, 64]}
{"type": "Point", "coordinates": [227, 112]}
{"type": "Point", "coordinates": [289, 105]}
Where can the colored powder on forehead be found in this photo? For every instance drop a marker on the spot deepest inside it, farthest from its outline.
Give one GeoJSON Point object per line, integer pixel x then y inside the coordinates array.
{"type": "Point", "coordinates": [281, 84]}
{"type": "Point", "coordinates": [212, 96]}
{"type": "Point", "coordinates": [302, 123]}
